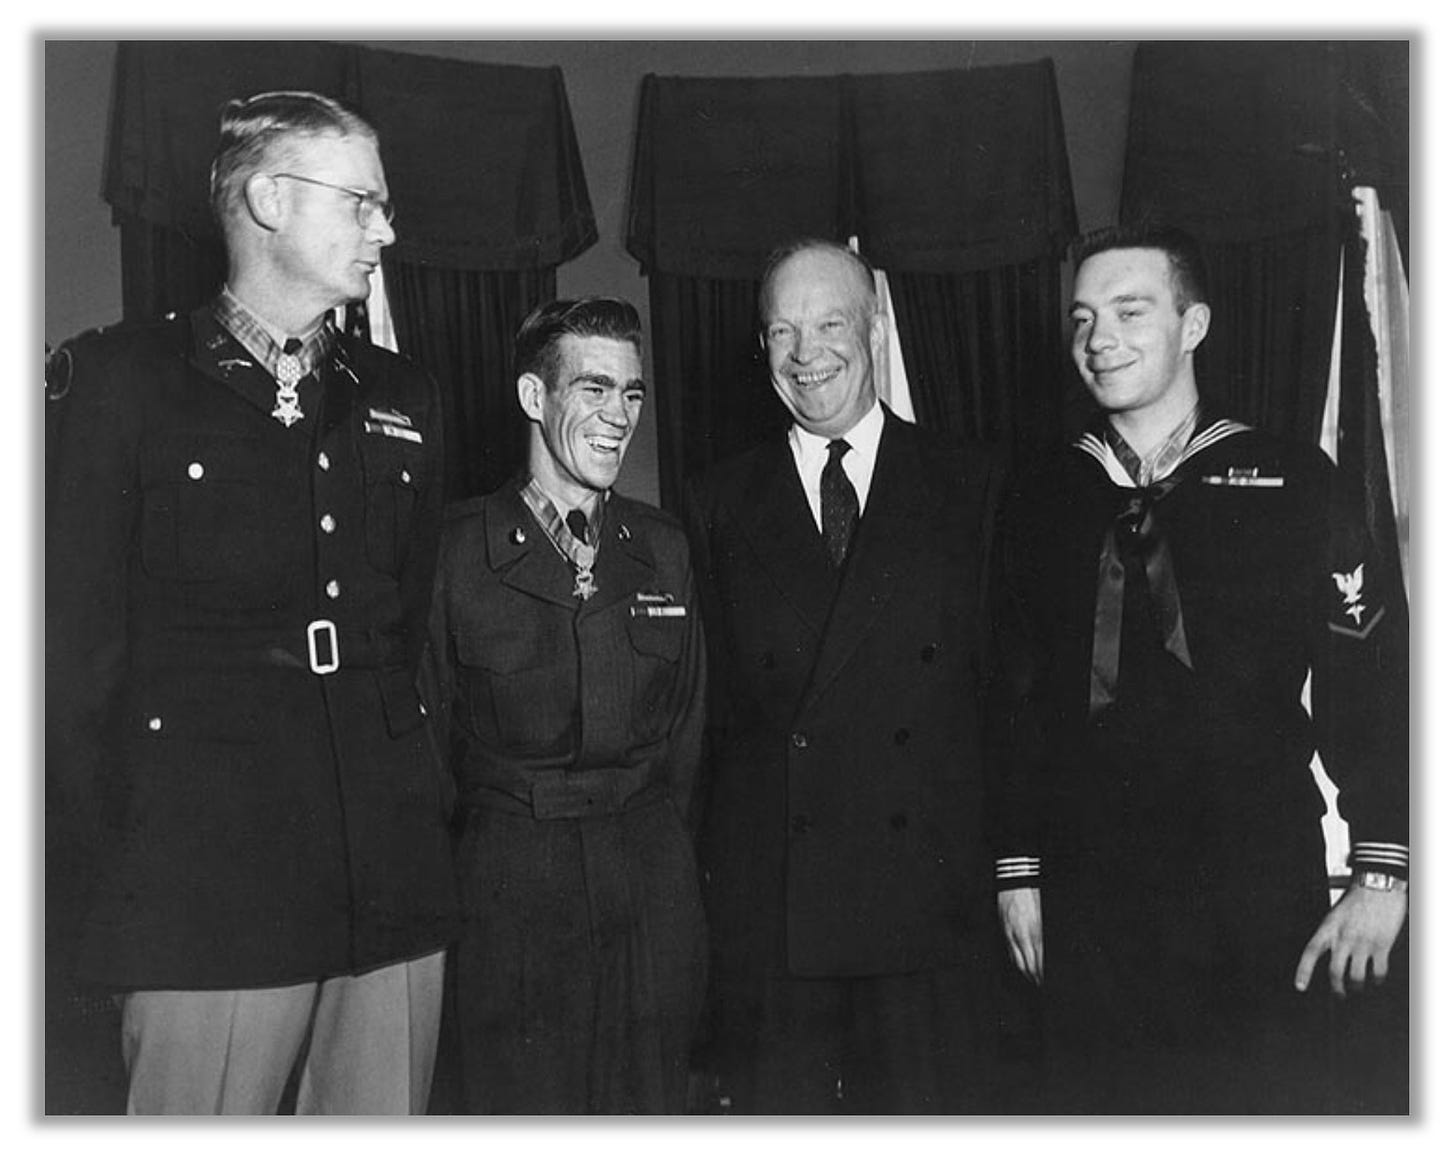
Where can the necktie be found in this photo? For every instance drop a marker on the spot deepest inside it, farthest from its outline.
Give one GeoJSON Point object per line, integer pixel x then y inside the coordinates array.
{"type": "Point", "coordinates": [838, 505]}
{"type": "Point", "coordinates": [576, 522]}
{"type": "Point", "coordinates": [1134, 536]}
{"type": "Point", "coordinates": [288, 372]}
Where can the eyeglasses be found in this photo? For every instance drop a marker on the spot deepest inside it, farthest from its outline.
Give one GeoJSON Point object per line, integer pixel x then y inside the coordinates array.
{"type": "Point", "coordinates": [365, 201]}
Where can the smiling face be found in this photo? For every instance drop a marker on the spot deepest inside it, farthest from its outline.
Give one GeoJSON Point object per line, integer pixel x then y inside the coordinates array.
{"type": "Point", "coordinates": [583, 420]}
{"type": "Point", "coordinates": [1132, 347]}
{"type": "Point", "coordinates": [321, 254]}
{"type": "Point", "coordinates": [821, 330]}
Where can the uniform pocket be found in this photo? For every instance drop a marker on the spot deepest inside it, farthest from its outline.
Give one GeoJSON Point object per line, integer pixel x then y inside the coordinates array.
{"type": "Point", "coordinates": [518, 690]}
{"type": "Point", "coordinates": [658, 637]}
{"type": "Point", "coordinates": [391, 492]}
{"type": "Point", "coordinates": [204, 511]}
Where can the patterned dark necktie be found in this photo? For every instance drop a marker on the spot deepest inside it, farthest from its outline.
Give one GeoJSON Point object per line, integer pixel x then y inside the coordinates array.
{"type": "Point", "coordinates": [838, 505]}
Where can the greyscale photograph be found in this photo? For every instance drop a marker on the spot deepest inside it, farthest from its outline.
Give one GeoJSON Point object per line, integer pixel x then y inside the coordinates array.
{"type": "Point", "coordinates": [774, 578]}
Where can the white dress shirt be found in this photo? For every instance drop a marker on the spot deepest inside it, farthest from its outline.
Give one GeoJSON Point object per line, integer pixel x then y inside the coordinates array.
{"type": "Point", "coordinates": [811, 453]}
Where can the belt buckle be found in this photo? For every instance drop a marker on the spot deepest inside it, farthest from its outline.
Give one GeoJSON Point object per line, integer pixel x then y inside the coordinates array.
{"type": "Point", "coordinates": [326, 629]}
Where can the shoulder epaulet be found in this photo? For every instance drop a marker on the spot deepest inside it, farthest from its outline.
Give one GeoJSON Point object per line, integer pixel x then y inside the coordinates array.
{"type": "Point", "coordinates": [60, 362]}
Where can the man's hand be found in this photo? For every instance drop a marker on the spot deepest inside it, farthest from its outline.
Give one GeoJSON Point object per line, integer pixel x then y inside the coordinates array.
{"type": "Point", "coordinates": [1021, 921]}
{"type": "Point", "coordinates": [1358, 933]}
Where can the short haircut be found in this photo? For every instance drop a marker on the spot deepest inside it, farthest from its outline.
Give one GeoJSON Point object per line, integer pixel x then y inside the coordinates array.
{"type": "Point", "coordinates": [252, 127]}
{"type": "Point", "coordinates": [537, 347]}
{"type": "Point", "coordinates": [800, 246]}
{"type": "Point", "coordinates": [1185, 259]}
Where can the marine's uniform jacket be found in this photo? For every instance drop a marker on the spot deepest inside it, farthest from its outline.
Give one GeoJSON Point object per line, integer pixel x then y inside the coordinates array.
{"type": "Point", "coordinates": [843, 829]}
{"type": "Point", "coordinates": [557, 700]}
{"type": "Point", "coordinates": [235, 614]}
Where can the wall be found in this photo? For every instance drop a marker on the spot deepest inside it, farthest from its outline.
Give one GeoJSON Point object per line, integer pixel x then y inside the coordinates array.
{"type": "Point", "coordinates": [82, 264]}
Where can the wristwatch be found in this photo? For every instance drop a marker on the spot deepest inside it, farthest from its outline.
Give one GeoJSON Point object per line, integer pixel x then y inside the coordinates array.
{"type": "Point", "coordinates": [1378, 881]}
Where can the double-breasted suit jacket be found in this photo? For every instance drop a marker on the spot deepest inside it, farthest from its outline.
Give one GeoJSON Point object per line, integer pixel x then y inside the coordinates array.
{"type": "Point", "coordinates": [235, 614]}
{"type": "Point", "coordinates": [843, 825]}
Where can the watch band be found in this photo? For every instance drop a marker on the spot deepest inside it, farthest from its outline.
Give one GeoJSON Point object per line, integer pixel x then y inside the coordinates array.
{"type": "Point", "coordinates": [1378, 881]}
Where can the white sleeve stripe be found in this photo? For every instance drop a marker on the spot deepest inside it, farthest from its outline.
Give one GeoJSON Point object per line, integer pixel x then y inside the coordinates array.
{"type": "Point", "coordinates": [1392, 853]}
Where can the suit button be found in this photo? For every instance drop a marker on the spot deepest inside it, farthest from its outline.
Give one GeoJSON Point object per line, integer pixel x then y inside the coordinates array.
{"type": "Point", "coordinates": [327, 523]}
{"type": "Point", "coordinates": [902, 736]}
{"type": "Point", "coordinates": [800, 741]}
{"type": "Point", "coordinates": [154, 724]}
{"type": "Point", "coordinates": [899, 822]}
{"type": "Point", "coordinates": [332, 589]}
{"type": "Point", "coordinates": [928, 653]}
{"type": "Point", "coordinates": [323, 461]}
{"type": "Point", "coordinates": [799, 824]}
{"type": "Point", "coordinates": [195, 471]}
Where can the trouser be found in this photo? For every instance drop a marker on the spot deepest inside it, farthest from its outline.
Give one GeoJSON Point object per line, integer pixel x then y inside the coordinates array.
{"type": "Point", "coordinates": [1162, 1001]}
{"type": "Point", "coordinates": [363, 1044]}
{"type": "Point", "coordinates": [580, 972]}
{"type": "Point", "coordinates": [911, 1043]}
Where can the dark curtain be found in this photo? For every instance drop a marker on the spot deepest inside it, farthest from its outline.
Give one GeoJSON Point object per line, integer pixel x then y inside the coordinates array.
{"type": "Point", "coordinates": [1266, 360]}
{"type": "Point", "coordinates": [955, 182]}
{"type": "Point", "coordinates": [714, 395]}
{"type": "Point", "coordinates": [166, 269]}
{"type": "Point", "coordinates": [984, 354]}
{"type": "Point", "coordinates": [486, 211]}
{"type": "Point", "coordinates": [723, 172]}
{"type": "Point", "coordinates": [460, 325]}
{"type": "Point", "coordinates": [1254, 147]}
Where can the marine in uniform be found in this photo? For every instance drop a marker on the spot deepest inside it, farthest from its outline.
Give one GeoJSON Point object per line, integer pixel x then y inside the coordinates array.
{"type": "Point", "coordinates": [1169, 582]}
{"type": "Point", "coordinates": [242, 532]}
{"type": "Point", "coordinates": [571, 660]}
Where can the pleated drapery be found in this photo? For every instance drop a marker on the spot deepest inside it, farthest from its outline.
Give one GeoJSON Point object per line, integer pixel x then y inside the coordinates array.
{"type": "Point", "coordinates": [483, 168]}
{"type": "Point", "coordinates": [940, 176]}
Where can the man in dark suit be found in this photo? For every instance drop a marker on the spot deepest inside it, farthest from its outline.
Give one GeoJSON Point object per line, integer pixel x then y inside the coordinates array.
{"type": "Point", "coordinates": [242, 529]}
{"type": "Point", "coordinates": [842, 566]}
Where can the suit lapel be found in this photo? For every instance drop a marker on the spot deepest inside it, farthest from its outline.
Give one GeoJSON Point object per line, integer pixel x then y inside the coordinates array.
{"type": "Point", "coordinates": [780, 531]}
{"type": "Point", "coordinates": [902, 512]}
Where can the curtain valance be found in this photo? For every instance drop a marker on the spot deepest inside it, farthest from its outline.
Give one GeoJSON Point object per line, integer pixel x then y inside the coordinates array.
{"type": "Point", "coordinates": [482, 159]}
{"type": "Point", "coordinates": [934, 172]}
{"type": "Point", "coordinates": [1241, 140]}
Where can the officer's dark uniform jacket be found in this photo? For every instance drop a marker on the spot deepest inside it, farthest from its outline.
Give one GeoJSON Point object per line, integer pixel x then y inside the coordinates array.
{"type": "Point", "coordinates": [235, 614]}
{"type": "Point", "coordinates": [552, 693]}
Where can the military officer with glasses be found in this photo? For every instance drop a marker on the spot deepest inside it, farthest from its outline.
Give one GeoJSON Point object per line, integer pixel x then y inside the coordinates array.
{"type": "Point", "coordinates": [242, 530]}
